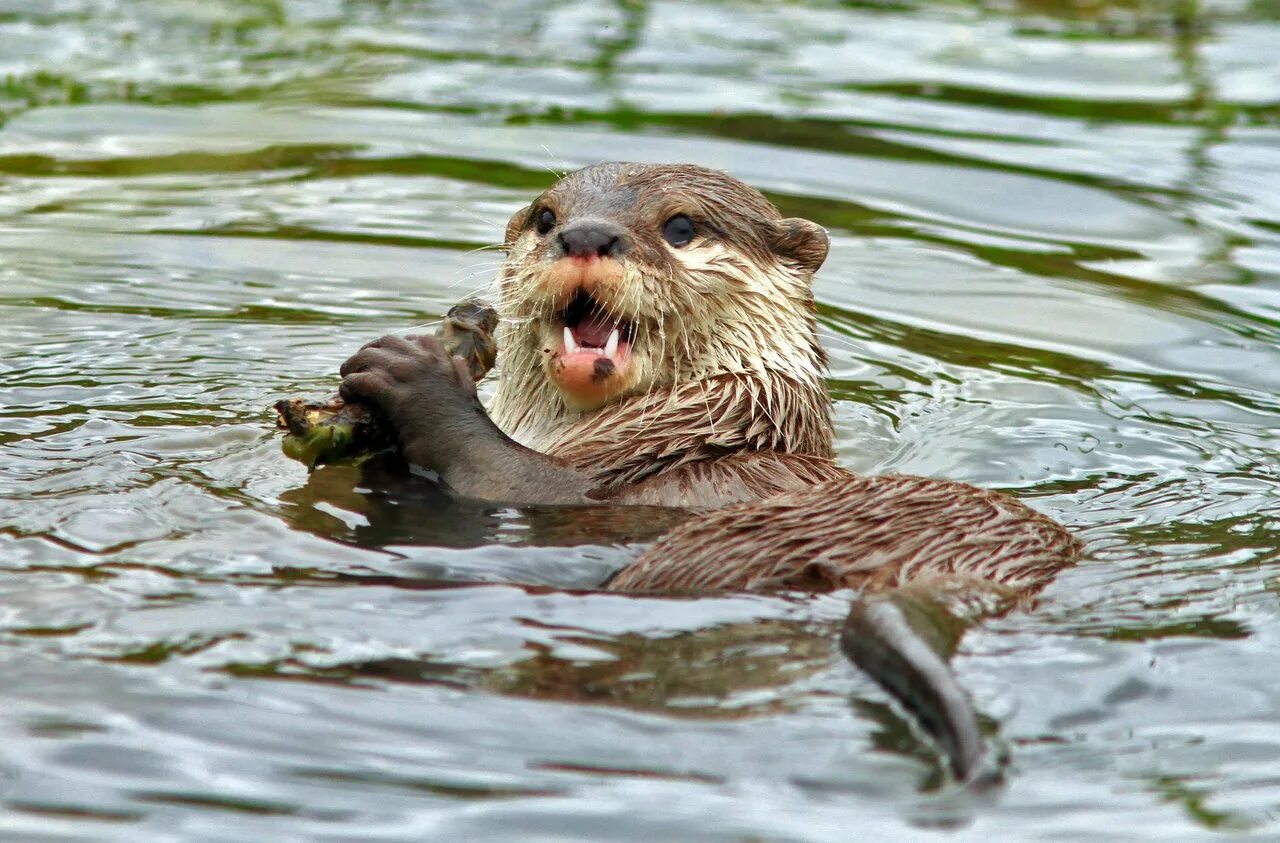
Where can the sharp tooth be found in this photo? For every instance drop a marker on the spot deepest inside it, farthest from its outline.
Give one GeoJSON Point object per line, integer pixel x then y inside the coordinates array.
{"type": "Point", "coordinates": [569, 345]}
{"type": "Point", "coordinates": [611, 347]}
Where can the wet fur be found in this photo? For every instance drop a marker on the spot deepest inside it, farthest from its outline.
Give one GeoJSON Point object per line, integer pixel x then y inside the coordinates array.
{"type": "Point", "coordinates": [869, 533]}
{"type": "Point", "coordinates": [723, 407]}
{"type": "Point", "coordinates": [731, 319]}
{"type": "Point", "coordinates": [728, 405]}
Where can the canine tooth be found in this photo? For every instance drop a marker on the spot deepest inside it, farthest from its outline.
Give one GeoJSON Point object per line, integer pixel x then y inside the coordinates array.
{"type": "Point", "coordinates": [611, 347]}
{"type": "Point", "coordinates": [569, 345]}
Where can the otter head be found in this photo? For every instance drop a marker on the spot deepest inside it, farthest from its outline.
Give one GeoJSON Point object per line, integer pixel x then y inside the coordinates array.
{"type": "Point", "coordinates": [626, 278]}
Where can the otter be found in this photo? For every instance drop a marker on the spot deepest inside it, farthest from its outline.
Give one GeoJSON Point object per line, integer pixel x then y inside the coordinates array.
{"type": "Point", "coordinates": [658, 345]}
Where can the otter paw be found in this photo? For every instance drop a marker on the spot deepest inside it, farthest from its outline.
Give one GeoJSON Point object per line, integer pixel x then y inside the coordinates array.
{"type": "Point", "coordinates": [417, 385]}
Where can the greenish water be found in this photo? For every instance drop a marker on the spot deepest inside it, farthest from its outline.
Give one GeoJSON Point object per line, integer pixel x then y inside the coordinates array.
{"type": "Point", "coordinates": [1055, 270]}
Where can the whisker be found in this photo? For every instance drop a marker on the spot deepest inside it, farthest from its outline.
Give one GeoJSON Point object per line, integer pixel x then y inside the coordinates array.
{"type": "Point", "coordinates": [431, 324]}
{"type": "Point", "coordinates": [471, 213]}
{"type": "Point", "coordinates": [487, 285]}
{"type": "Point", "coordinates": [488, 247]}
{"type": "Point", "coordinates": [552, 157]}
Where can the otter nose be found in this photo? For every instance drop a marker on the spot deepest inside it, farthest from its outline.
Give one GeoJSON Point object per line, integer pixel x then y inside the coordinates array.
{"type": "Point", "coordinates": [592, 238]}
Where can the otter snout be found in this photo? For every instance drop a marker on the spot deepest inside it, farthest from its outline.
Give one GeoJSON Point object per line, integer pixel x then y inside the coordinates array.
{"type": "Point", "coordinates": [589, 239]}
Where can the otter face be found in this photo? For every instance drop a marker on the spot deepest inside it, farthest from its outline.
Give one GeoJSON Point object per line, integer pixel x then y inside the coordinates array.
{"type": "Point", "coordinates": [623, 278]}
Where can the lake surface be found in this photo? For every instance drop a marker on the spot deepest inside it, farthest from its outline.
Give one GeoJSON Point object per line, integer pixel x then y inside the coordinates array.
{"type": "Point", "coordinates": [1055, 271]}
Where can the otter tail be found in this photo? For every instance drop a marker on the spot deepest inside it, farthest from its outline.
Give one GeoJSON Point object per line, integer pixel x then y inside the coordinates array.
{"type": "Point", "coordinates": [902, 638]}
{"type": "Point", "coordinates": [929, 556]}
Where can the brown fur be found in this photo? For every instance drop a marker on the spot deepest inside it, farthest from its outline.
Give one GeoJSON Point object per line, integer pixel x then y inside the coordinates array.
{"type": "Point", "coordinates": [696, 422]}
{"type": "Point", "coordinates": [728, 407]}
{"type": "Point", "coordinates": [870, 533]}
{"type": "Point", "coordinates": [724, 328]}
{"type": "Point", "coordinates": [659, 346]}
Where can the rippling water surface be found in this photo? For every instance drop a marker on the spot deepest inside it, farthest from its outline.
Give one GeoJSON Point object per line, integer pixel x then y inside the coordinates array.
{"type": "Point", "coordinates": [1055, 271]}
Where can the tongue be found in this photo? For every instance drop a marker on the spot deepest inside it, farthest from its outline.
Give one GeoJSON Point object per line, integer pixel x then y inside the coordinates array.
{"type": "Point", "coordinates": [594, 330]}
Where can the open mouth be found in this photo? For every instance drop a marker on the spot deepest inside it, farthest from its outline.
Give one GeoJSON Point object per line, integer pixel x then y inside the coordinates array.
{"type": "Point", "coordinates": [593, 363]}
{"type": "Point", "coordinates": [590, 329]}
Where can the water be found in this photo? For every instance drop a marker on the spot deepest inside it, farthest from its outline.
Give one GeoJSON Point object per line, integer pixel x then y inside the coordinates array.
{"type": "Point", "coordinates": [1055, 271]}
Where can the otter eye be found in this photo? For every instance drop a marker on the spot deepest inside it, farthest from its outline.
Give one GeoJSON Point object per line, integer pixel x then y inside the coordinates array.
{"type": "Point", "coordinates": [678, 231]}
{"type": "Point", "coordinates": [546, 221]}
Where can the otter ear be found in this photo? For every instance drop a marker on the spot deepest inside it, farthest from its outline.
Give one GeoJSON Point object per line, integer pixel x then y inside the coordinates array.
{"type": "Point", "coordinates": [801, 241]}
{"type": "Point", "coordinates": [517, 222]}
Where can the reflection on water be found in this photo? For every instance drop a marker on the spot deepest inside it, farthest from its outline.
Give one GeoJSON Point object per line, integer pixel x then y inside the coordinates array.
{"type": "Point", "coordinates": [381, 504]}
{"type": "Point", "coordinates": [1055, 270]}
